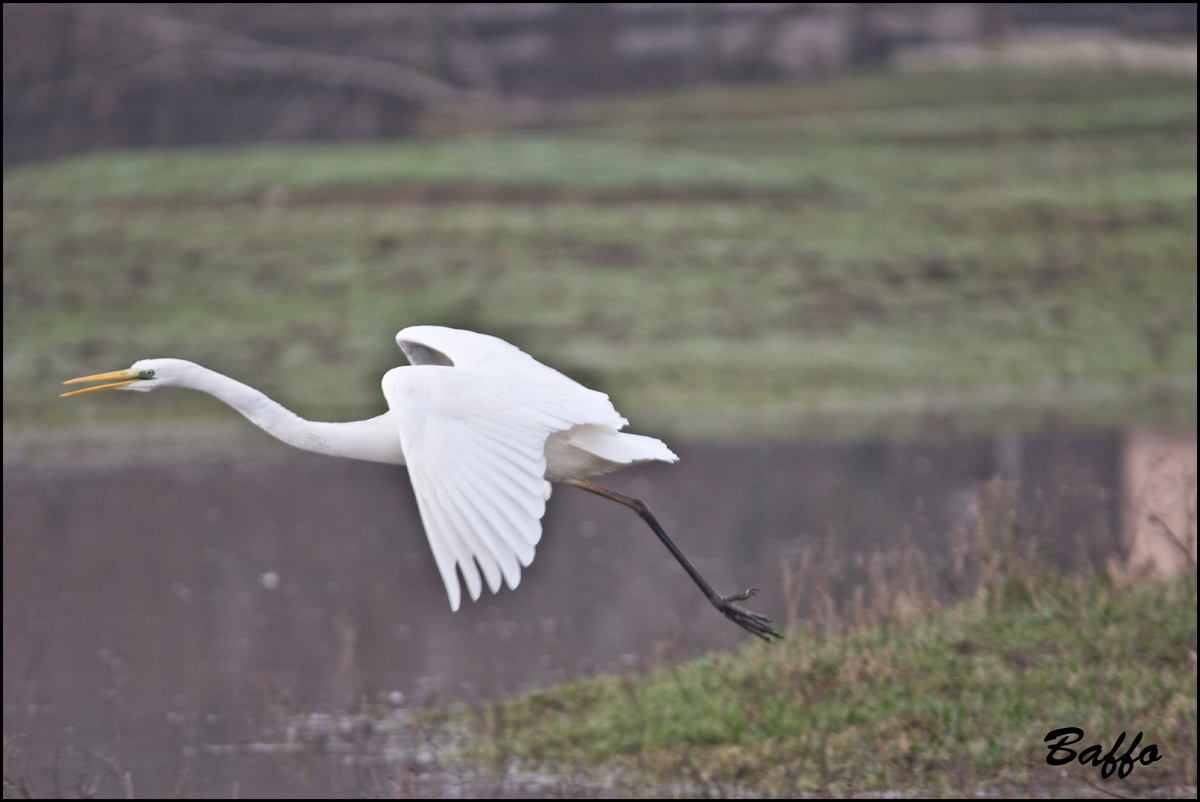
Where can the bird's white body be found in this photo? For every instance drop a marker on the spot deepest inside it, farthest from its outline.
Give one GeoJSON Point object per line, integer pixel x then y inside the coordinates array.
{"type": "Point", "coordinates": [482, 426]}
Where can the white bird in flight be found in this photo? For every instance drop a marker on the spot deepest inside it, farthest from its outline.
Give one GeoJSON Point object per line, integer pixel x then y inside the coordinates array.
{"type": "Point", "coordinates": [483, 428]}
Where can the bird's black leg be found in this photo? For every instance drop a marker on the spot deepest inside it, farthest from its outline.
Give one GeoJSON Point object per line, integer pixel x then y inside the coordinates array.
{"type": "Point", "coordinates": [759, 625]}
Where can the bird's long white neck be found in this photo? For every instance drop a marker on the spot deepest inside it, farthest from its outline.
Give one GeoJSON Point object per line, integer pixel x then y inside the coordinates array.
{"type": "Point", "coordinates": [375, 439]}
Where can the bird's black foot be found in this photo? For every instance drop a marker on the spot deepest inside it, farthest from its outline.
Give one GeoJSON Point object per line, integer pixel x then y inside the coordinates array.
{"type": "Point", "coordinates": [754, 623]}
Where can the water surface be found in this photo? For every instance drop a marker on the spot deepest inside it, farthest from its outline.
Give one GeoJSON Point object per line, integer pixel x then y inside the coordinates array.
{"type": "Point", "coordinates": [173, 617]}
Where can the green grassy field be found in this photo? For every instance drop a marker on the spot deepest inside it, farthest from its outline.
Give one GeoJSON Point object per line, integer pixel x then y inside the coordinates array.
{"type": "Point", "coordinates": [858, 256]}
{"type": "Point", "coordinates": [894, 692]}
{"type": "Point", "coordinates": [956, 702]}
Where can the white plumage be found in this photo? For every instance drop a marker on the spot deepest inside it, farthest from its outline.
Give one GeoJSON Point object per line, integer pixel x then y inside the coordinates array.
{"type": "Point", "coordinates": [482, 426]}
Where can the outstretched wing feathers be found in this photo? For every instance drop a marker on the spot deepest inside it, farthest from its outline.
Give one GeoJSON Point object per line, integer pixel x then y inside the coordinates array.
{"type": "Point", "coordinates": [446, 547]}
{"type": "Point", "coordinates": [474, 440]}
{"type": "Point", "coordinates": [510, 501]}
{"type": "Point", "coordinates": [489, 521]}
{"type": "Point", "coordinates": [457, 515]}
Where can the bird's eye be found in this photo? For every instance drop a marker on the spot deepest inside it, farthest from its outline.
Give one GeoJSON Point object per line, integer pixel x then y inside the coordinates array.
{"type": "Point", "coordinates": [149, 374]}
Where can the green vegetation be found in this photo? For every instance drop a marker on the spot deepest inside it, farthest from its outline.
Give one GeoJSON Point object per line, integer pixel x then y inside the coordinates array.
{"type": "Point", "coordinates": [859, 256]}
{"type": "Point", "coordinates": [960, 701]}
{"type": "Point", "coordinates": [897, 692]}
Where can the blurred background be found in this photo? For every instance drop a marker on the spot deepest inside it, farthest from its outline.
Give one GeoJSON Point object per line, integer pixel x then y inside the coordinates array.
{"type": "Point", "coordinates": [850, 261]}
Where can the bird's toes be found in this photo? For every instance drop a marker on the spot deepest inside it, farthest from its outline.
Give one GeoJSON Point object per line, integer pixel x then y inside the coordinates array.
{"type": "Point", "coordinates": [752, 622]}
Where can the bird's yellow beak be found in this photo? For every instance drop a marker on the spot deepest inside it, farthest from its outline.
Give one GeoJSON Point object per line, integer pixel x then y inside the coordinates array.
{"type": "Point", "coordinates": [124, 377]}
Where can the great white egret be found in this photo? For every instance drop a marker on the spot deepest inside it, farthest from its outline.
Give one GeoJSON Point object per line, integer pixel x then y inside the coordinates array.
{"type": "Point", "coordinates": [483, 428]}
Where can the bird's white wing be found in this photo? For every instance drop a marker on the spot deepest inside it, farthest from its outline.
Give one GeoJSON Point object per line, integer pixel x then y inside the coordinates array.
{"type": "Point", "coordinates": [440, 345]}
{"type": "Point", "coordinates": [474, 441]}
